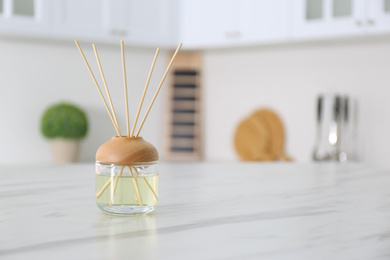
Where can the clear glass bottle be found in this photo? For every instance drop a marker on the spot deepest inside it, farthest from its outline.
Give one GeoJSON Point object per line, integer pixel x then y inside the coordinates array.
{"type": "Point", "coordinates": [328, 128]}
{"type": "Point", "coordinates": [127, 176]}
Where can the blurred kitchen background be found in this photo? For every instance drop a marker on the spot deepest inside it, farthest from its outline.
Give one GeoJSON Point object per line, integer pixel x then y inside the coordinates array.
{"type": "Point", "coordinates": [279, 54]}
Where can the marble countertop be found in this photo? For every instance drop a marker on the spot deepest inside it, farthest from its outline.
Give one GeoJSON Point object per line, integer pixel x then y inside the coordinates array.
{"type": "Point", "coordinates": [205, 211]}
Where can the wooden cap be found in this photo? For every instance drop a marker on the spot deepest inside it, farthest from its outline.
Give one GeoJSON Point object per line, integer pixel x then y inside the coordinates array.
{"type": "Point", "coordinates": [127, 150]}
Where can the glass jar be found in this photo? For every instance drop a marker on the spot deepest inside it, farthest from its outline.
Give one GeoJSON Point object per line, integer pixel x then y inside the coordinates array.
{"type": "Point", "coordinates": [328, 127]}
{"type": "Point", "coordinates": [126, 176]}
{"type": "Point", "coordinates": [128, 188]}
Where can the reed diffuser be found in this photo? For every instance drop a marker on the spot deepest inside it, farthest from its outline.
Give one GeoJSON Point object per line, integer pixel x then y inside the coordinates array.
{"type": "Point", "coordinates": [126, 166]}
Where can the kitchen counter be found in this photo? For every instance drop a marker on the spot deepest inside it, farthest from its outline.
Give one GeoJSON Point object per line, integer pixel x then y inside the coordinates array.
{"type": "Point", "coordinates": [205, 211]}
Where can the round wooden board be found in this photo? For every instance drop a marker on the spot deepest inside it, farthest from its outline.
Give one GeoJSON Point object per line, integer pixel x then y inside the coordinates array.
{"type": "Point", "coordinates": [250, 140]}
{"type": "Point", "coordinates": [261, 137]}
{"type": "Point", "coordinates": [275, 129]}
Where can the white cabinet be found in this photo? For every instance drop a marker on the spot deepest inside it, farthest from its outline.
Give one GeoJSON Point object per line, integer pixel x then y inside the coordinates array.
{"type": "Point", "coordinates": [85, 19]}
{"type": "Point", "coordinates": [151, 22]}
{"type": "Point", "coordinates": [196, 23]}
{"type": "Point", "coordinates": [332, 18]}
{"type": "Point", "coordinates": [378, 16]}
{"type": "Point", "coordinates": [148, 22]}
{"type": "Point", "coordinates": [230, 22]}
{"type": "Point", "coordinates": [265, 21]}
{"type": "Point", "coordinates": [323, 18]}
{"type": "Point", "coordinates": [208, 22]}
{"type": "Point", "coordinates": [27, 17]}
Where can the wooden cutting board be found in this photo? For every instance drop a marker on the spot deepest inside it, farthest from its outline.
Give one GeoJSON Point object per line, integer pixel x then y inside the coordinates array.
{"type": "Point", "coordinates": [261, 137]}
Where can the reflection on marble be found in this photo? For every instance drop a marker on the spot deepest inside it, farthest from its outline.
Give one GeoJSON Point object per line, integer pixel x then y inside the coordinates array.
{"type": "Point", "coordinates": [205, 211]}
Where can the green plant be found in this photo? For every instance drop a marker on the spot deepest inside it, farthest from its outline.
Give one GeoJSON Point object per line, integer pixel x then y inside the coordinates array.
{"type": "Point", "coordinates": [64, 120]}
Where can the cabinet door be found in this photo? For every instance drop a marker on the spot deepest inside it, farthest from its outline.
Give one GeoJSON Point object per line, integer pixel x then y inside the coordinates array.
{"type": "Point", "coordinates": [264, 20]}
{"type": "Point", "coordinates": [77, 18]}
{"type": "Point", "coordinates": [209, 22]}
{"type": "Point", "coordinates": [27, 17]}
{"type": "Point", "coordinates": [324, 18]}
{"type": "Point", "coordinates": [378, 15]}
{"type": "Point", "coordinates": [152, 22]}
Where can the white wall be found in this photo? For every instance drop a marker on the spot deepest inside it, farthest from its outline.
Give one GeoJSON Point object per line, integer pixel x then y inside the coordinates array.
{"type": "Point", "coordinates": [35, 74]}
{"type": "Point", "coordinates": [288, 78]}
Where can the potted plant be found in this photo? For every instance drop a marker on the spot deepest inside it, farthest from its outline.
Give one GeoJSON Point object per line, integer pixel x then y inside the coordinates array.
{"type": "Point", "coordinates": [65, 125]}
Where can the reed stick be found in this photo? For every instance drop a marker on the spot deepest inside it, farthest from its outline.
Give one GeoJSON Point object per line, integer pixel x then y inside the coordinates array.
{"type": "Point", "coordinates": [146, 182]}
{"type": "Point", "coordinates": [158, 89]}
{"type": "Point", "coordinates": [125, 86]}
{"type": "Point", "coordinates": [135, 183]}
{"type": "Point", "coordinates": [116, 184]}
{"type": "Point", "coordinates": [98, 88]}
{"type": "Point", "coordinates": [104, 188]}
{"type": "Point", "coordinates": [151, 189]}
{"type": "Point", "coordinates": [146, 87]}
{"type": "Point", "coordinates": [106, 87]}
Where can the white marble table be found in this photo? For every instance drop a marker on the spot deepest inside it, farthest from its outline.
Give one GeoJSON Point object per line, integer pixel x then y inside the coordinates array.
{"type": "Point", "coordinates": [206, 211]}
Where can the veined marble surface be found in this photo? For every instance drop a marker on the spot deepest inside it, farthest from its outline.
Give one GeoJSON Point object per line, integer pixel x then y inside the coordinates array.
{"type": "Point", "coordinates": [205, 211]}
